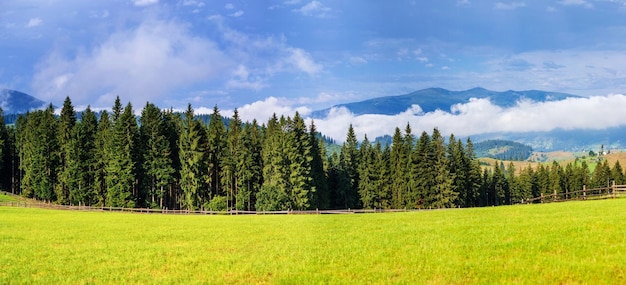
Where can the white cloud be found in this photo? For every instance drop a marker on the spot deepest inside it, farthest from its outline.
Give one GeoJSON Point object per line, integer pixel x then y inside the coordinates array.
{"type": "Point", "coordinates": [461, 3]}
{"type": "Point", "coordinates": [34, 22]}
{"type": "Point", "coordinates": [263, 110]}
{"type": "Point", "coordinates": [241, 79]}
{"type": "Point", "coordinates": [303, 61]}
{"type": "Point", "coordinates": [509, 5]}
{"type": "Point", "coordinates": [314, 8]}
{"type": "Point", "coordinates": [195, 3]}
{"type": "Point", "coordinates": [480, 116]}
{"type": "Point", "coordinates": [141, 64]}
{"type": "Point", "coordinates": [229, 6]}
{"type": "Point", "coordinates": [583, 3]}
{"type": "Point", "coordinates": [239, 13]}
{"type": "Point", "coordinates": [142, 3]}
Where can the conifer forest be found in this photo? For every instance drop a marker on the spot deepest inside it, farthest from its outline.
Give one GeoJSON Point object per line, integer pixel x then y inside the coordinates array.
{"type": "Point", "coordinates": [168, 160]}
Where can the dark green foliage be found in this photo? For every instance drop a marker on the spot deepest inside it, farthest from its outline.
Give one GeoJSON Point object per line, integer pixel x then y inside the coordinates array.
{"type": "Point", "coordinates": [193, 157]}
{"type": "Point", "coordinates": [124, 161]}
{"type": "Point", "coordinates": [503, 150]}
{"type": "Point", "coordinates": [180, 162]}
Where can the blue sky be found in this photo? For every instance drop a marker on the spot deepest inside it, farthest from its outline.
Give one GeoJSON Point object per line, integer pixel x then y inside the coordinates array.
{"type": "Point", "coordinates": [281, 56]}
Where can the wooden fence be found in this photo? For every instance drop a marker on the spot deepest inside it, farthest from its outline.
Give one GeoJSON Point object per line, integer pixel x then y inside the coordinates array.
{"type": "Point", "coordinates": [28, 203]}
{"type": "Point", "coordinates": [608, 192]}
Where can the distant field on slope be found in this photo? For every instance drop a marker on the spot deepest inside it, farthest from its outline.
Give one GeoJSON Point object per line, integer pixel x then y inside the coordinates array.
{"type": "Point", "coordinates": [574, 242]}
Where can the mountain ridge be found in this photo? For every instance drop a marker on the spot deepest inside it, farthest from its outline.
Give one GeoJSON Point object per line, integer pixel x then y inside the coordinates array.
{"type": "Point", "coordinates": [435, 98]}
{"type": "Point", "coordinates": [16, 102]}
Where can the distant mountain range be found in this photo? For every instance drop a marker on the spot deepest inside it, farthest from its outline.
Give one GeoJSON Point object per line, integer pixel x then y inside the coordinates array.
{"type": "Point", "coordinates": [15, 102]}
{"type": "Point", "coordinates": [432, 99]}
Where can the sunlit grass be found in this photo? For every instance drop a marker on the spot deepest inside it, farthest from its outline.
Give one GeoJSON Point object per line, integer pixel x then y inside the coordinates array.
{"type": "Point", "coordinates": [574, 242]}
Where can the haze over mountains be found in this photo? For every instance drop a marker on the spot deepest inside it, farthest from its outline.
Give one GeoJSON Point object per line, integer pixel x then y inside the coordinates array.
{"type": "Point", "coordinates": [433, 99]}
{"type": "Point", "coordinates": [15, 102]}
{"type": "Point", "coordinates": [547, 121]}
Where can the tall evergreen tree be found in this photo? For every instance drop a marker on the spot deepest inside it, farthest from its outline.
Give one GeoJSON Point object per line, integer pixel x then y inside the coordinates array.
{"type": "Point", "coordinates": [156, 152]}
{"type": "Point", "coordinates": [215, 150]}
{"type": "Point", "coordinates": [401, 179]}
{"type": "Point", "coordinates": [443, 193]}
{"type": "Point", "coordinates": [319, 168]}
{"type": "Point", "coordinates": [103, 151]}
{"type": "Point", "coordinates": [192, 152]}
{"type": "Point", "coordinates": [299, 157]}
{"type": "Point", "coordinates": [349, 160]}
{"type": "Point", "coordinates": [122, 170]}
{"type": "Point", "coordinates": [66, 123]}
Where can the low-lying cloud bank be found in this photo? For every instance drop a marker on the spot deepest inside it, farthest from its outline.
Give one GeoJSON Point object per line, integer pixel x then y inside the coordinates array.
{"type": "Point", "coordinates": [478, 116]}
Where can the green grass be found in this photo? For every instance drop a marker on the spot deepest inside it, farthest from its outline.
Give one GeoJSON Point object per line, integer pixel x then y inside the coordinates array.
{"type": "Point", "coordinates": [7, 198]}
{"type": "Point", "coordinates": [574, 242]}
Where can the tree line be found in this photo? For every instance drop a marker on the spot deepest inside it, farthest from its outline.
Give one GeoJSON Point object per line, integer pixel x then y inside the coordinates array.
{"type": "Point", "coordinates": [165, 159]}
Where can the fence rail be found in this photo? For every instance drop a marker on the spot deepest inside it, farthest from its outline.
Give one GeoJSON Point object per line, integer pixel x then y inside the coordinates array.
{"type": "Point", "coordinates": [608, 192]}
{"type": "Point", "coordinates": [27, 203]}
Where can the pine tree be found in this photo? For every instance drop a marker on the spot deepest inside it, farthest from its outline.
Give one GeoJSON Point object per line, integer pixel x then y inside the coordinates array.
{"type": "Point", "coordinates": [319, 169]}
{"type": "Point", "coordinates": [6, 155]}
{"type": "Point", "coordinates": [617, 174]}
{"type": "Point", "coordinates": [299, 157]}
{"type": "Point", "coordinates": [443, 194]}
{"type": "Point", "coordinates": [401, 180]}
{"type": "Point", "coordinates": [66, 123]}
{"type": "Point", "coordinates": [233, 162]}
{"type": "Point", "coordinates": [215, 151]}
{"type": "Point", "coordinates": [383, 177]}
{"type": "Point", "coordinates": [368, 177]}
{"type": "Point", "coordinates": [273, 195]}
{"type": "Point", "coordinates": [157, 162]}
{"type": "Point", "coordinates": [192, 151]}
{"type": "Point", "coordinates": [39, 158]}
{"type": "Point", "coordinates": [349, 161]}
{"type": "Point", "coordinates": [250, 167]}
{"type": "Point", "coordinates": [102, 151]}
{"type": "Point", "coordinates": [122, 173]}
{"type": "Point", "coordinates": [422, 162]}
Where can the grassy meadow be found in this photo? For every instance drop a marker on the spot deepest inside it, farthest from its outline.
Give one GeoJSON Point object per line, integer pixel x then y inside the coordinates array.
{"type": "Point", "coordinates": [573, 242]}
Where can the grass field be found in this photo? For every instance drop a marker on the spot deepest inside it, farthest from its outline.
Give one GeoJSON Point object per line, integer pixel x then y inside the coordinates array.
{"type": "Point", "coordinates": [573, 242]}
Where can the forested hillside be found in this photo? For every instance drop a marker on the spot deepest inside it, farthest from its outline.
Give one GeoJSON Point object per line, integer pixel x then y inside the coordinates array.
{"type": "Point", "coordinates": [168, 160]}
{"type": "Point", "coordinates": [503, 150]}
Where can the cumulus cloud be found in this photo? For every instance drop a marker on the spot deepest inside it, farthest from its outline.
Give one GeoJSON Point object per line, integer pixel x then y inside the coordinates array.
{"type": "Point", "coordinates": [236, 14]}
{"type": "Point", "coordinates": [314, 8]}
{"type": "Point", "coordinates": [509, 5]}
{"type": "Point", "coordinates": [303, 61]}
{"type": "Point", "coordinates": [478, 116]}
{"type": "Point", "coordinates": [583, 3]}
{"type": "Point", "coordinates": [262, 111]}
{"type": "Point", "coordinates": [142, 3]}
{"type": "Point", "coordinates": [141, 64]}
{"type": "Point", "coordinates": [34, 22]}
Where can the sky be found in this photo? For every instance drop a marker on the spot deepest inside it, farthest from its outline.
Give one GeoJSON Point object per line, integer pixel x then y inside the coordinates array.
{"type": "Point", "coordinates": [283, 56]}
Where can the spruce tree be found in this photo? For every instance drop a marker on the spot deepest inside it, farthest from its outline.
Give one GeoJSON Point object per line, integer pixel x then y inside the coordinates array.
{"type": "Point", "coordinates": [299, 158]}
{"type": "Point", "coordinates": [192, 152]}
{"type": "Point", "coordinates": [215, 150]}
{"type": "Point", "coordinates": [401, 180]}
{"type": "Point", "coordinates": [65, 130]}
{"type": "Point", "coordinates": [122, 173]}
{"type": "Point", "coordinates": [103, 152]}
{"type": "Point", "coordinates": [443, 193]}
{"type": "Point", "coordinates": [319, 168]}
{"type": "Point", "coordinates": [349, 161]}
{"type": "Point", "coordinates": [156, 152]}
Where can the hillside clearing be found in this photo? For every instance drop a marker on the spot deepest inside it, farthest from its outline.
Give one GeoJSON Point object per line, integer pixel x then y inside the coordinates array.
{"type": "Point", "coordinates": [575, 242]}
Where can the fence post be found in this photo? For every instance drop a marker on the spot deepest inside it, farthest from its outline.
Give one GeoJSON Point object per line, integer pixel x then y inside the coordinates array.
{"type": "Point", "coordinates": [542, 197]}
{"type": "Point", "coordinates": [613, 189]}
{"type": "Point", "coordinates": [584, 192]}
